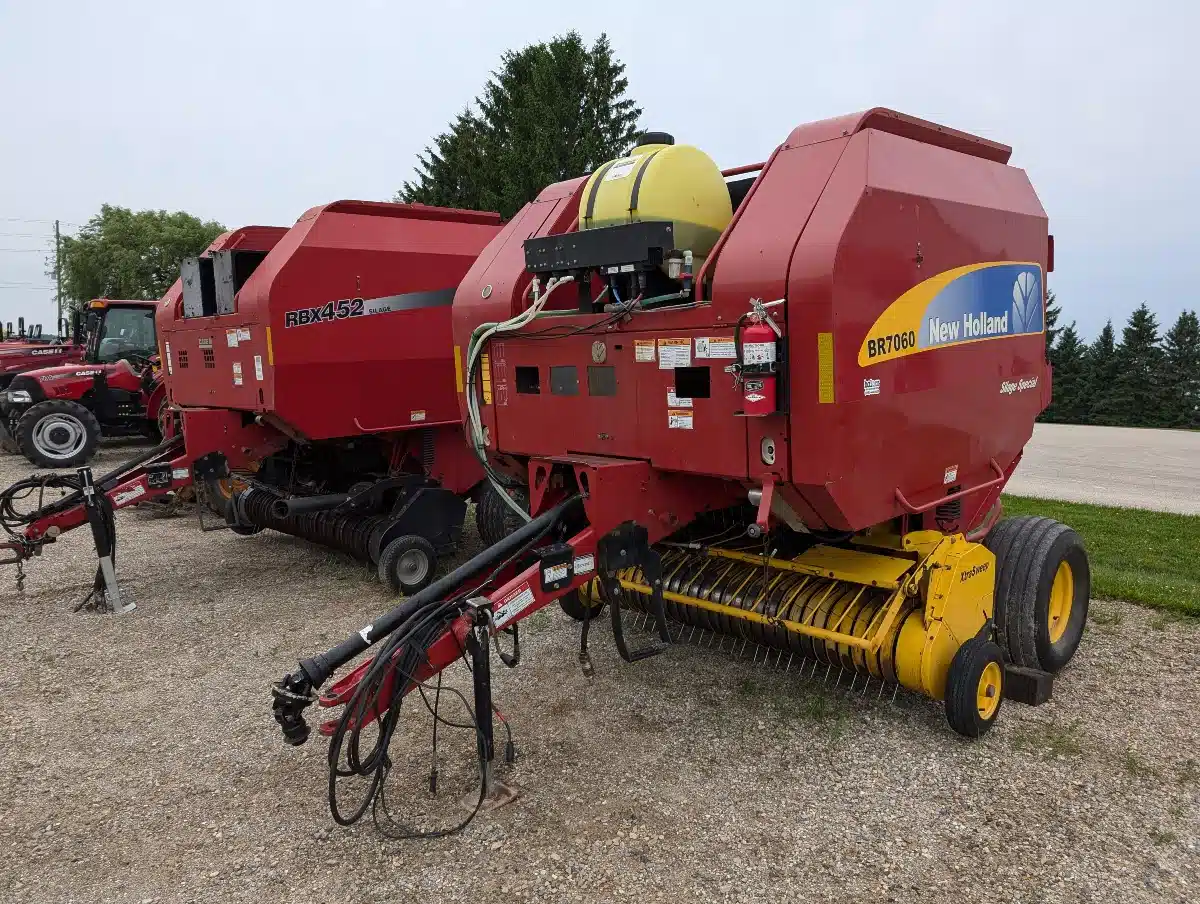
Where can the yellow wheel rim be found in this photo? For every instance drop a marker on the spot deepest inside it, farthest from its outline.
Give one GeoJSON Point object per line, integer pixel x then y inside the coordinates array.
{"type": "Point", "coordinates": [1062, 596]}
{"type": "Point", "coordinates": [987, 695]}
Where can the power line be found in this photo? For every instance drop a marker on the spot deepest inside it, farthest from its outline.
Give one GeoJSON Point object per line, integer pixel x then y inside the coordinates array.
{"type": "Point", "coordinates": [27, 220]}
{"type": "Point", "coordinates": [29, 250]}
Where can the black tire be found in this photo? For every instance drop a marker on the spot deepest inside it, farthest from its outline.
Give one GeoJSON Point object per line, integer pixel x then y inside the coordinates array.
{"type": "Point", "coordinates": [219, 496]}
{"type": "Point", "coordinates": [408, 564]}
{"type": "Point", "coordinates": [37, 432]}
{"type": "Point", "coordinates": [977, 667]}
{"type": "Point", "coordinates": [494, 518]}
{"type": "Point", "coordinates": [1043, 586]}
{"type": "Point", "coordinates": [574, 605]}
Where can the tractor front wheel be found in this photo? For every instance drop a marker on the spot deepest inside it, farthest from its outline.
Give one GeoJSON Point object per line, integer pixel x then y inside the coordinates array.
{"type": "Point", "coordinates": [58, 434]}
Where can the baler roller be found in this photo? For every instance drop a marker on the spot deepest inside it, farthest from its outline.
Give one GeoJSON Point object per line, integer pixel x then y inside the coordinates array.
{"type": "Point", "coordinates": [348, 532]}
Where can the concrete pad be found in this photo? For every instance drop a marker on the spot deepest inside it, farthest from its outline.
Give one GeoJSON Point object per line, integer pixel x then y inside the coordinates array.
{"type": "Point", "coordinates": [1123, 466]}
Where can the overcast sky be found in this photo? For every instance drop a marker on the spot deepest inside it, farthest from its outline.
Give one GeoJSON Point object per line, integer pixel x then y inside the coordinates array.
{"type": "Point", "coordinates": [252, 112]}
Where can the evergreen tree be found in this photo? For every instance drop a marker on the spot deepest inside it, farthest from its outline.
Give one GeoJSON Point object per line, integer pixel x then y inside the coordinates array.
{"type": "Point", "coordinates": [1100, 371]}
{"type": "Point", "coordinates": [1135, 398]}
{"type": "Point", "coordinates": [1053, 311]}
{"type": "Point", "coordinates": [553, 111]}
{"type": "Point", "coordinates": [1181, 373]}
{"type": "Point", "coordinates": [1069, 404]}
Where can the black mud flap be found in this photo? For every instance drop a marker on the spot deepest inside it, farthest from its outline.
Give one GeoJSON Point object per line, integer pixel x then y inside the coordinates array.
{"type": "Point", "coordinates": [1032, 687]}
{"type": "Point", "coordinates": [7, 443]}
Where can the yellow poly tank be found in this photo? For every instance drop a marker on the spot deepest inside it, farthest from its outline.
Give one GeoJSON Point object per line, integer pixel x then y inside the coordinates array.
{"type": "Point", "coordinates": [661, 180]}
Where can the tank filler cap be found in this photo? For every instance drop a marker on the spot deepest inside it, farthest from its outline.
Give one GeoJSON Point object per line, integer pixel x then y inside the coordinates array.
{"type": "Point", "coordinates": [653, 138]}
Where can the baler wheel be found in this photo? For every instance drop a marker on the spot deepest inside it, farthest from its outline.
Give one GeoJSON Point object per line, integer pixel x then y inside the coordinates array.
{"type": "Point", "coordinates": [576, 606]}
{"type": "Point", "coordinates": [408, 564]}
{"type": "Point", "coordinates": [494, 518]}
{"type": "Point", "coordinates": [974, 687]}
{"type": "Point", "coordinates": [1043, 586]}
{"type": "Point", "coordinates": [219, 493]}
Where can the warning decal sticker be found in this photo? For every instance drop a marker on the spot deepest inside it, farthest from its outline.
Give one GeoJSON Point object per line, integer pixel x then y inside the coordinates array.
{"type": "Point", "coordinates": [643, 349]}
{"type": "Point", "coordinates": [514, 604]}
{"type": "Point", "coordinates": [674, 353]}
{"type": "Point", "coordinates": [715, 347]}
{"type": "Point", "coordinates": [673, 401]}
{"type": "Point", "coordinates": [680, 419]}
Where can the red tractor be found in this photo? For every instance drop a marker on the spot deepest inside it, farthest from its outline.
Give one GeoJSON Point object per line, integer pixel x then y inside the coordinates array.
{"type": "Point", "coordinates": [58, 414]}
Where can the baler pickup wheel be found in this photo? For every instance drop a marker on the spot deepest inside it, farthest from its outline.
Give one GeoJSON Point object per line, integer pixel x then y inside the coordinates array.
{"type": "Point", "coordinates": [407, 564]}
{"type": "Point", "coordinates": [1043, 584]}
{"type": "Point", "coordinates": [974, 687]}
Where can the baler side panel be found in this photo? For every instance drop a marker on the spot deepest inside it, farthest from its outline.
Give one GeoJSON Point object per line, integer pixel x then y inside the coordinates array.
{"type": "Point", "coordinates": [493, 290]}
{"type": "Point", "coordinates": [755, 263]}
{"type": "Point", "coordinates": [936, 416]}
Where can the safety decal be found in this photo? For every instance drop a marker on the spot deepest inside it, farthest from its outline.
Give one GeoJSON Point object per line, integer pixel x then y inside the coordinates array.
{"type": "Point", "coordinates": [555, 573]}
{"type": "Point", "coordinates": [585, 564]}
{"type": "Point", "coordinates": [346, 308]}
{"type": "Point", "coordinates": [514, 604]}
{"type": "Point", "coordinates": [237, 373]}
{"type": "Point", "coordinates": [243, 334]}
{"type": "Point", "coordinates": [621, 168]}
{"type": "Point", "coordinates": [643, 350]}
{"type": "Point", "coordinates": [951, 475]}
{"type": "Point", "coordinates": [674, 401]}
{"type": "Point", "coordinates": [871, 387]}
{"type": "Point", "coordinates": [992, 300]}
{"type": "Point", "coordinates": [170, 366]}
{"type": "Point", "coordinates": [231, 338]}
{"type": "Point", "coordinates": [258, 370]}
{"type": "Point", "coordinates": [679, 419]}
{"type": "Point", "coordinates": [416, 416]}
{"type": "Point", "coordinates": [715, 347]}
{"type": "Point", "coordinates": [129, 495]}
{"type": "Point", "coordinates": [179, 474]}
{"type": "Point", "coordinates": [674, 353]}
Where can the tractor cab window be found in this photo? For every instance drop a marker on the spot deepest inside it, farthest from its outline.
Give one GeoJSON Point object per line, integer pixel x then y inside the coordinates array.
{"type": "Point", "coordinates": [126, 333]}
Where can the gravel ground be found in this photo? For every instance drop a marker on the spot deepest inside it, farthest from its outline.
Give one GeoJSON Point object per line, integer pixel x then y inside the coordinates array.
{"type": "Point", "coordinates": [141, 763]}
{"type": "Point", "coordinates": [1124, 466]}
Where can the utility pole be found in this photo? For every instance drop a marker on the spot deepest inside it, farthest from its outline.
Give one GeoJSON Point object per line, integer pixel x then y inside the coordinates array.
{"type": "Point", "coordinates": [57, 278]}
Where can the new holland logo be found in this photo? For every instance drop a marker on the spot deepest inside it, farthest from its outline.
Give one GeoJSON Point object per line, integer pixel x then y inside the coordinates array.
{"type": "Point", "coordinates": [1027, 300]}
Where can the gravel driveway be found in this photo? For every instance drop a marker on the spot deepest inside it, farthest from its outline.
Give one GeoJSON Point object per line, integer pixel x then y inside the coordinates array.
{"type": "Point", "coordinates": [141, 763]}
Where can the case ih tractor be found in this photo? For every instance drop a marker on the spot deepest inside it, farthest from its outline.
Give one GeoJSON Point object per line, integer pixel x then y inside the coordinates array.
{"type": "Point", "coordinates": [21, 352]}
{"type": "Point", "coordinates": [56, 415]}
{"type": "Point", "coordinates": [771, 407]}
{"type": "Point", "coordinates": [313, 374]}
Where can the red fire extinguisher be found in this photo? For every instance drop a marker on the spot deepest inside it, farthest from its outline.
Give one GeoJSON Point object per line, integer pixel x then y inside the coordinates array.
{"type": "Point", "coordinates": [758, 360]}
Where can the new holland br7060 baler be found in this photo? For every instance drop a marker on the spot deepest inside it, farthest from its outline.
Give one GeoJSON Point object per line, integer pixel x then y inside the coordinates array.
{"type": "Point", "coordinates": [776, 404]}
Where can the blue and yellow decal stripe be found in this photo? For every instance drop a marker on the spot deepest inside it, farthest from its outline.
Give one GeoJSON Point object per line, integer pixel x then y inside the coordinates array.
{"type": "Point", "coordinates": [992, 300]}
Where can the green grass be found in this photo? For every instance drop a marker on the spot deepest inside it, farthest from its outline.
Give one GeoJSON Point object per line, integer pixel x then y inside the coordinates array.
{"type": "Point", "coordinates": [1145, 557]}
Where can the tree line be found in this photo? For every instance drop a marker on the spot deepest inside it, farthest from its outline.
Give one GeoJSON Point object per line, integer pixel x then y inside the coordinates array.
{"type": "Point", "coordinates": [1144, 380]}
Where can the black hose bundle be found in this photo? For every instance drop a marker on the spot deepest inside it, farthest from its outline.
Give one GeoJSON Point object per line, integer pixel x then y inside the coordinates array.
{"type": "Point", "coordinates": [399, 657]}
{"type": "Point", "coordinates": [14, 519]}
